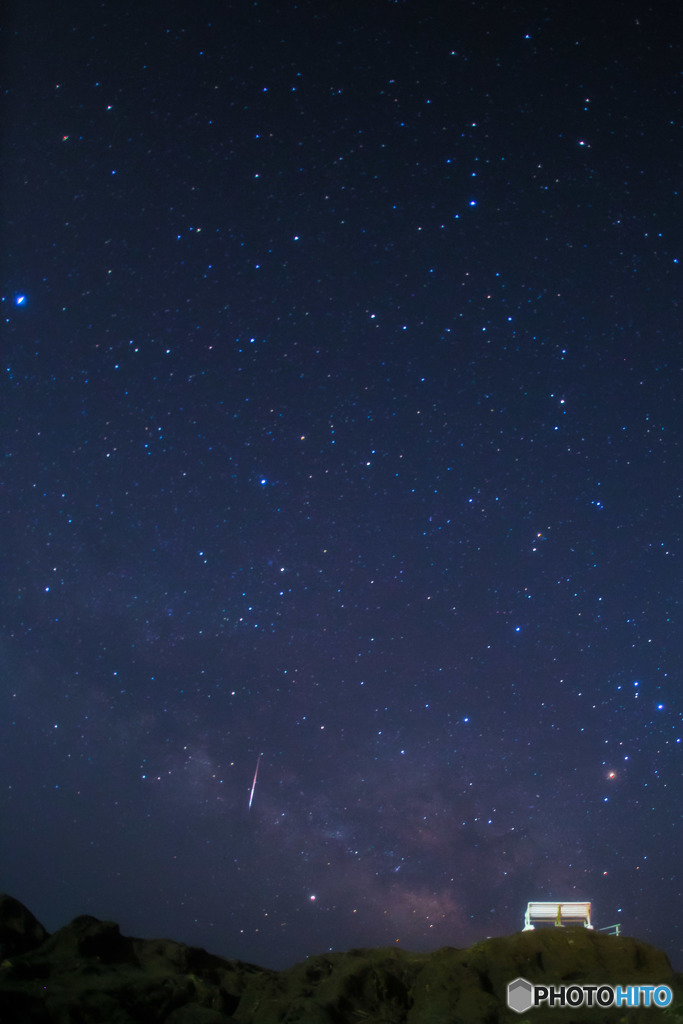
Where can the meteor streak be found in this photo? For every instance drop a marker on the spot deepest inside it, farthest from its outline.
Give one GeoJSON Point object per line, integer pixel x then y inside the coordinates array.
{"type": "Point", "coordinates": [253, 785]}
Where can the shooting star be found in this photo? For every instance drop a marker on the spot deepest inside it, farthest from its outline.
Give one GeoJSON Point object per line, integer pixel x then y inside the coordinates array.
{"type": "Point", "coordinates": [253, 785]}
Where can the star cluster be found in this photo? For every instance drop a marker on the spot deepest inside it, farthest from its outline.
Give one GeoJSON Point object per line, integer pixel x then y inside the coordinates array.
{"type": "Point", "coordinates": [342, 409]}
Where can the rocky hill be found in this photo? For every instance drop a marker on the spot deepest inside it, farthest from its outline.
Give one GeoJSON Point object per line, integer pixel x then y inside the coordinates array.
{"type": "Point", "coordinates": [88, 973]}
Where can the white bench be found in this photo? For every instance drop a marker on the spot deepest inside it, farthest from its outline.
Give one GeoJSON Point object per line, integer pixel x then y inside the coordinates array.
{"type": "Point", "coordinates": [561, 914]}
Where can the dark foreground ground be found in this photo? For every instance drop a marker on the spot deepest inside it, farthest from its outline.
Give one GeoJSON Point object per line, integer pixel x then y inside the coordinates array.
{"type": "Point", "coordinates": [88, 973]}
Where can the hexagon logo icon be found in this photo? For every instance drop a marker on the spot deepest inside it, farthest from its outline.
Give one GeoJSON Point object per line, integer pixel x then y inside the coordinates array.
{"type": "Point", "coordinates": [520, 995]}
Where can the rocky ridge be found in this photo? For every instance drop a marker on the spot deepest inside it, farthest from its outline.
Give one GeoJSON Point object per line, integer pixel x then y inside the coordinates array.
{"type": "Point", "coordinates": [88, 973]}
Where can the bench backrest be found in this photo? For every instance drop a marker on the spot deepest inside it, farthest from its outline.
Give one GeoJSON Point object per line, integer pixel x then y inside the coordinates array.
{"type": "Point", "coordinates": [558, 912]}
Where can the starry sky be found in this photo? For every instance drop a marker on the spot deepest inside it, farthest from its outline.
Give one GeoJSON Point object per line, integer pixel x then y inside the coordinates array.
{"type": "Point", "coordinates": [341, 412]}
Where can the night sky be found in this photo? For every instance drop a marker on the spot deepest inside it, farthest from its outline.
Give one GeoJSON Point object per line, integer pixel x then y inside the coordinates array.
{"type": "Point", "coordinates": [341, 412]}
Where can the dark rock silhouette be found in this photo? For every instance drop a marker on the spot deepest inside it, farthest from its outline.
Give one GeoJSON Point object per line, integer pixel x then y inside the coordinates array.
{"type": "Point", "coordinates": [20, 931]}
{"type": "Point", "coordinates": [88, 973]}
